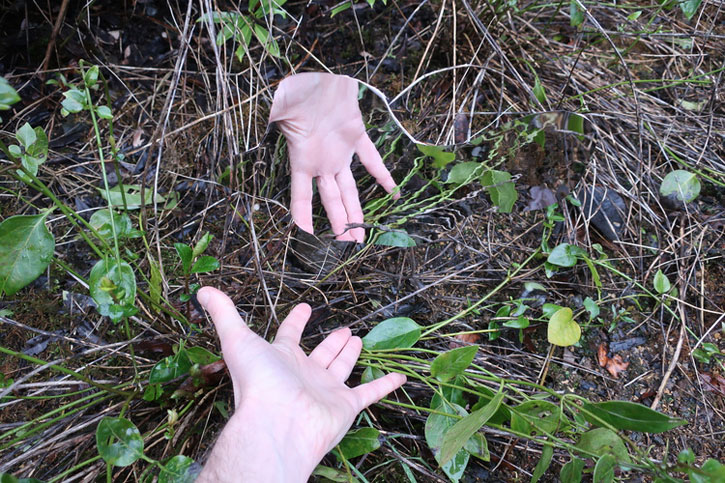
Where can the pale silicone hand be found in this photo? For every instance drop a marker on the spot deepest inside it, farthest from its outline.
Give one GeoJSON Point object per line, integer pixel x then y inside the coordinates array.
{"type": "Point", "coordinates": [291, 409]}
{"type": "Point", "coordinates": [318, 113]}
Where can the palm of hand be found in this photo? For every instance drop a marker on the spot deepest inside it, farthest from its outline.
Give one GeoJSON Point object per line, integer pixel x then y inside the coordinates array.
{"type": "Point", "coordinates": [319, 115]}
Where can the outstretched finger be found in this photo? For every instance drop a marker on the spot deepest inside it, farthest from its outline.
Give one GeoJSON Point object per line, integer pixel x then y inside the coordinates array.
{"type": "Point", "coordinates": [223, 313]}
{"type": "Point", "coordinates": [351, 201]}
{"type": "Point", "coordinates": [290, 330]}
{"type": "Point", "coordinates": [374, 391]}
{"type": "Point", "coordinates": [332, 201]}
{"type": "Point", "coordinates": [342, 366]}
{"type": "Point", "coordinates": [301, 203]}
{"type": "Point", "coordinates": [329, 348]}
{"type": "Point", "coordinates": [370, 158]}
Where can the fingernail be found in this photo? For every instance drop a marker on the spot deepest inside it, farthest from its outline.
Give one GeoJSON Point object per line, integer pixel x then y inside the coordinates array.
{"type": "Point", "coordinates": [202, 296]}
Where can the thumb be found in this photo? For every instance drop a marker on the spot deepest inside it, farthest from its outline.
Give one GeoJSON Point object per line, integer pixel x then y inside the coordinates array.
{"type": "Point", "coordinates": [229, 324]}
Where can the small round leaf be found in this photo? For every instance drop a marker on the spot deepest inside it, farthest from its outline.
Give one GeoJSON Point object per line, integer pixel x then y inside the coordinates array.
{"type": "Point", "coordinates": [563, 329]}
{"type": "Point", "coordinates": [118, 441]}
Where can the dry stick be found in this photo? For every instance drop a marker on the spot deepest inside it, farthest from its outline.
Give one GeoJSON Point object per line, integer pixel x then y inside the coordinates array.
{"type": "Point", "coordinates": [53, 37]}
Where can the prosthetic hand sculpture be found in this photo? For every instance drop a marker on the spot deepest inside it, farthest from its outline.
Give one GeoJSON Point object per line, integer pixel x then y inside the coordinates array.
{"type": "Point", "coordinates": [291, 409]}
{"type": "Point", "coordinates": [319, 115]}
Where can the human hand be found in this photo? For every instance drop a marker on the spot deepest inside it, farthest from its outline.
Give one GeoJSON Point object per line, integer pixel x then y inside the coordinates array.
{"type": "Point", "coordinates": [319, 115]}
{"type": "Point", "coordinates": [291, 409]}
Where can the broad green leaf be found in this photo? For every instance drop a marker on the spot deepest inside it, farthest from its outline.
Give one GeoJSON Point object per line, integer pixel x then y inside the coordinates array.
{"type": "Point", "coordinates": [689, 8]}
{"type": "Point", "coordinates": [104, 112]}
{"type": "Point", "coordinates": [550, 309]}
{"type": "Point", "coordinates": [436, 427]}
{"type": "Point", "coordinates": [170, 367]}
{"type": "Point", "coordinates": [112, 283]}
{"type": "Point", "coordinates": [133, 196]}
{"type": "Point", "coordinates": [601, 441]}
{"type": "Point", "coordinates": [397, 238]}
{"type": "Point", "coordinates": [90, 77]}
{"type": "Point", "coordinates": [604, 469]}
{"type": "Point", "coordinates": [576, 123]}
{"type": "Point", "coordinates": [205, 264]}
{"type": "Point", "coordinates": [118, 441]}
{"type": "Point", "coordinates": [370, 374]}
{"type": "Point", "coordinates": [477, 446]}
{"type": "Point", "coordinates": [8, 95]}
{"type": "Point", "coordinates": [544, 415]}
{"type": "Point", "coordinates": [26, 250]}
{"type": "Point", "coordinates": [544, 462]}
{"type": "Point", "coordinates": [449, 394]}
{"type": "Point", "coordinates": [201, 356]}
{"type": "Point", "coordinates": [631, 416]}
{"type": "Point", "coordinates": [661, 283]}
{"type": "Point", "coordinates": [591, 306]}
{"type": "Point", "coordinates": [564, 255]}
{"type": "Point", "coordinates": [501, 416]}
{"type": "Point", "coordinates": [714, 469]}
{"type": "Point", "coordinates": [202, 244]}
{"type": "Point", "coordinates": [101, 222]}
{"type": "Point", "coordinates": [74, 101]}
{"type": "Point", "coordinates": [572, 471]}
{"type": "Point", "coordinates": [26, 135]}
{"type": "Point", "coordinates": [463, 172]}
{"type": "Point", "coordinates": [185, 254]}
{"type": "Point", "coordinates": [576, 14]}
{"type": "Point", "coordinates": [267, 40]}
{"type": "Point", "coordinates": [178, 470]}
{"type": "Point", "coordinates": [680, 184]}
{"type": "Point", "coordinates": [359, 442]}
{"type": "Point", "coordinates": [461, 431]}
{"type": "Point", "coordinates": [452, 363]}
{"type": "Point", "coordinates": [563, 329]}
{"type": "Point", "coordinates": [440, 158]}
{"type": "Point", "coordinates": [634, 15]}
{"type": "Point", "coordinates": [334, 475]}
{"type": "Point", "coordinates": [395, 333]}
{"type": "Point", "coordinates": [519, 322]}
{"type": "Point", "coordinates": [501, 190]}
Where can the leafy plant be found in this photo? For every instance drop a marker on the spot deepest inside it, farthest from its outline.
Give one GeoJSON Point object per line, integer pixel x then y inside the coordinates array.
{"type": "Point", "coordinates": [8, 95]}
{"type": "Point", "coordinates": [681, 186]}
{"type": "Point", "coordinates": [26, 250]}
{"type": "Point", "coordinates": [563, 329]}
{"type": "Point", "coordinates": [192, 260]}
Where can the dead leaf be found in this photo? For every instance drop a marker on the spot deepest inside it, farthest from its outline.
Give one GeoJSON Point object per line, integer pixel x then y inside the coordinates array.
{"type": "Point", "coordinates": [602, 354]}
{"type": "Point", "coordinates": [615, 365]}
{"type": "Point", "coordinates": [464, 339]}
{"type": "Point", "coordinates": [713, 382]}
{"type": "Point", "coordinates": [137, 140]}
{"type": "Point", "coordinates": [460, 128]}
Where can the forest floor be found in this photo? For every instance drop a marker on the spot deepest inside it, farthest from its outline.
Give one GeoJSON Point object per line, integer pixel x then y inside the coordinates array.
{"type": "Point", "coordinates": [629, 94]}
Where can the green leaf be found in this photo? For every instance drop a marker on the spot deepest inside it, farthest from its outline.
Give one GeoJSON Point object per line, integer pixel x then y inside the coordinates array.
{"type": "Point", "coordinates": [170, 367]}
{"type": "Point", "coordinates": [634, 15]}
{"type": "Point", "coordinates": [448, 394]}
{"type": "Point", "coordinates": [201, 356]}
{"type": "Point", "coordinates": [104, 112]}
{"type": "Point", "coordinates": [576, 123]}
{"type": "Point", "coordinates": [601, 441]}
{"type": "Point", "coordinates": [661, 282]}
{"type": "Point", "coordinates": [533, 417]}
{"type": "Point", "coordinates": [519, 322]}
{"type": "Point", "coordinates": [133, 196]}
{"type": "Point", "coordinates": [604, 469]}
{"type": "Point", "coordinates": [101, 222]}
{"type": "Point", "coordinates": [564, 255]}
{"type": "Point", "coordinates": [477, 446]}
{"type": "Point", "coordinates": [686, 457]}
{"type": "Point", "coordinates": [548, 310]}
{"type": "Point", "coordinates": [680, 184]}
{"type": "Point", "coordinates": [397, 238]}
{"type": "Point", "coordinates": [714, 469]}
{"type": "Point", "coordinates": [74, 101]}
{"type": "Point", "coordinates": [26, 250]}
{"type": "Point", "coordinates": [178, 470]}
{"type": "Point", "coordinates": [572, 471]}
{"type": "Point", "coordinates": [436, 427]}
{"type": "Point", "coordinates": [112, 283]}
{"type": "Point", "coordinates": [202, 244]}
{"type": "Point", "coordinates": [563, 329]}
{"type": "Point", "coordinates": [631, 416]}
{"type": "Point", "coordinates": [26, 135]}
{"type": "Point", "coordinates": [185, 254]}
{"type": "Point", "coordinates": [440, 157]}
{"type": "Point", "coordinates": [359, 442]}
{"type": "Point", "coordinates": [591, 306]}
{"type": "Point", "coordinates": [118, 441]}
{"type": "Point", "coordinates": [461, 431]}
{"type": "Point", "coordinates": [267, 40]}
{"type": "Point", "coordinates": [689, 8]}
{"type": "Point", "coordinates": [8, 95]}
{"type": "Point", "coordinates": [502, 191]}
{"type": "Point", "coordinates": [90, 77]}
{"type": "Point", "coordinates": [8, 478]}
{"type": "Point", "coordinates": [370, 374]}
{"type": "Point", "coordinates": [395, 333]}
{"type": "Point", "coordinates": [462, 173]}
{"type": "Point", "coordinates": [340, 8]}
{"type": "Point", "coordinates": [576, 14]}
{"type": "Point", "coordinates": [452, 363]}
{"type": "Point", "coordinates": [539, 91]}
{"type": "Point", "coordinates": [544, 462]}
{"type": "Point", "coordinates": [205, 264]}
